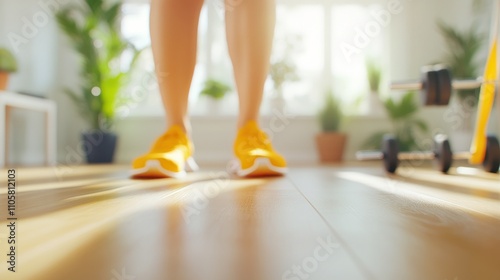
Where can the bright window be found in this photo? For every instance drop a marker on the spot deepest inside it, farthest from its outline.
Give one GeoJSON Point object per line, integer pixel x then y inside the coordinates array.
{"type": "Point", "coordinates": [356, 38]}
{"type": "Point", "coordinates": [307, 40]}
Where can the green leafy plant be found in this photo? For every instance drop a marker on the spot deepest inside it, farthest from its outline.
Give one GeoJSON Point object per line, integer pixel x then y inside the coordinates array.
{"type": "Point", "coordinates": [374, 74]}
{"type": "Point", "coordinates": [463, 49]}
{"type": "Point", "coordinates": [330, 116]}
{"type": "Point", "coordinates": [281, 71]}
{"type": "Point", "coordinates": [93, 29]}
{"type": "Point", "coordinates": [405, 125]}
{"type": "Point", "coordinates": [8, 62]}
{"type": "Point", "coordinates": [215, 89]}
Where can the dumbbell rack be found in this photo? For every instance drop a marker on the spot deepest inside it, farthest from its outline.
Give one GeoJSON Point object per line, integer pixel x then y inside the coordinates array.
{"type": "Point", "coordinates": [436, 87]}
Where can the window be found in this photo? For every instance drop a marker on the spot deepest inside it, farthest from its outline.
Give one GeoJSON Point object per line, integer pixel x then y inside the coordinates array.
{"type": "Point", "coordinates": [315, 48]}
{"type": "Point", "coordinates": [351, 48]}
{"type": "Point", "coordinates": [306, 40]}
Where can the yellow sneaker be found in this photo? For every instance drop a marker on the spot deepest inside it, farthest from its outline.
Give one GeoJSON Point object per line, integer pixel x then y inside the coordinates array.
{"type": "Point", "coordinates": [170, 156]}
{"type": "Point", "coordinates": [255, 154]}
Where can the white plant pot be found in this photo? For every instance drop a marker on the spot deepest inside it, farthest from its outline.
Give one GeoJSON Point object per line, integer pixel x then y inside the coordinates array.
{"type": "Point", "coordinates": [375, 108]}
{"type": "Point", "coordinates": [277, 101]}
{"type": "Point", "coordinates": [213, 107]}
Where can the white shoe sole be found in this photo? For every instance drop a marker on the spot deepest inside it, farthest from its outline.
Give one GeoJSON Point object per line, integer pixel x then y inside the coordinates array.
{"type": "Point", "coordinates": [261, 167]}
{"type": "Point", "coordinates": [154, 169]}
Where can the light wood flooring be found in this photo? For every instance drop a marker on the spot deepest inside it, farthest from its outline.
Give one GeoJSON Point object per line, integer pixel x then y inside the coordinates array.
{"type": "Point", "coordinates": [348, 221]}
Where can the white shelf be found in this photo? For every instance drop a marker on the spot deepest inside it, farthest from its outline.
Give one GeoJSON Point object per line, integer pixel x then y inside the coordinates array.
{"type": "Point", "coordinates": [15, 100]}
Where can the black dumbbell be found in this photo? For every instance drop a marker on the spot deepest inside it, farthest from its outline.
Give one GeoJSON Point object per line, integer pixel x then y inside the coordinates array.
{"type": "Point", "coordinates": [492, 157]}
{"type": "Point", "coordinates": [445, 86]}
{"type": "Point", "coordinates": [391, 155]}
{"type": "Point", "coordinates": [443, 153]}
{"type": "Point", "coordinates": [436, 85]}
{"type": "Point", "coordinates": [430, 86]}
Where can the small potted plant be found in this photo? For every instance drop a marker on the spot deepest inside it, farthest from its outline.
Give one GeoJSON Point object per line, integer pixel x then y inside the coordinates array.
{"type": "Point", "coordinates": [330, 142]}
{"type": "Point", "coordinates": [283, 69]}
{"type": "Point", "coordinates": [215, 91]}
{"type": "Point", "coordinates": [8, 65]}
{"type": "Point", "coordinates": [374, 76]}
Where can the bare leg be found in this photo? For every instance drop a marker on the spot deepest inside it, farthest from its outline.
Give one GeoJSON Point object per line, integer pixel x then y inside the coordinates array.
{"type": "Point", "coordinates": [250, 32]}
{"type": "Point", "coordinates": [174, 28]}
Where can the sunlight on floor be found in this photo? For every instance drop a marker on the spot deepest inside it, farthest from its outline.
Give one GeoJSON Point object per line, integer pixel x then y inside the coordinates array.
{"type": "Point", "coordinates": [442, 197]}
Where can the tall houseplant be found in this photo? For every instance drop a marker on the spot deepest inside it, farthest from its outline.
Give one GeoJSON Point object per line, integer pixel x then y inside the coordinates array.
{"type": "Point", "coordinates": [330, 142]}
{"type": "Point", "coordinates": [93, 29]}
{"type": "Point", "coordinates": [463, 51]}
{"type": "Point", "coordinates": [8, 64]}
{"type": "Point", "coordinates": [405, 125]}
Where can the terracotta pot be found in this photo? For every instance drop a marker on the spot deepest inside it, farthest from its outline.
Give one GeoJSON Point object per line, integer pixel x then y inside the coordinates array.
{"type": "Point", "coordinates": [4, 78]}
{"type": "Point", "coordinates": [331, 146]}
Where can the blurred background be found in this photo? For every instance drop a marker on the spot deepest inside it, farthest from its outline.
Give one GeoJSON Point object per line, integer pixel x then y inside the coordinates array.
{"type": "Point", "coordinates": [349, 49]}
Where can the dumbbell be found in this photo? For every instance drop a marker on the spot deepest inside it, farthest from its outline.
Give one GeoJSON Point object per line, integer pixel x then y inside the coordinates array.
{"type": "Point", "coordinates": [436, 85]}
{"type": "Point", "coordinates": [391, 155]}
{"type": "Point", "coordinates": [442, 154]}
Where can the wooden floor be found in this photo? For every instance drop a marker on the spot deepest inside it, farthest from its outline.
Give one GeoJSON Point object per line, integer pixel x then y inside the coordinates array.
{"type": "Point", "coordinates": [330, 222]}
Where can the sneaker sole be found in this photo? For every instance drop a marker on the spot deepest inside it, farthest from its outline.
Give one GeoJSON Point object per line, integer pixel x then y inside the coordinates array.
{"type": "Point", "coordinates": [262, 167]}
{"type": "Point", "coordinates": [154, 169]}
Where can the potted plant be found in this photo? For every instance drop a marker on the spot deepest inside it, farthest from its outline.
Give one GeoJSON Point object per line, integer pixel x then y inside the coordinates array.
{"type": "Point", "coordinates": [93, 29]}
{"type": "Point", "coordinates": [374, 76]}
{"type": "Point", "coordinates": [8, 65]}
{"type": "Point", "coordinates": [405, 125]}
{"type": "Point", "coordinates": [330, 142]}
{"type": "Point", "coordinates": [463, 50]}
{"type": "Point", "coordinates": [215, 91]}
{"type": "Point", "coordinates": [283, 69]}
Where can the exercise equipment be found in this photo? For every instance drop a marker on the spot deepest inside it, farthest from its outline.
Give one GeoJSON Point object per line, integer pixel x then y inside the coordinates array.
{"type": "Point", "coordinates": [390, 152]}
{"type": "Point", "coordinates": [436, 86]}
{"type": "Point", "coordinates": [491, 161]}
{"type": "Point", "coordinates": [391, 155]}
{"type": "Point", "coordinates": [443, 153]}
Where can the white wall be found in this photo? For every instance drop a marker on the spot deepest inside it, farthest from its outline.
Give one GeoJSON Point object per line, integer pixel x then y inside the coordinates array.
{"type": "Point", "coordinates": [2, 20]}
{"type": "Point", "coordinates": [47, 65]}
